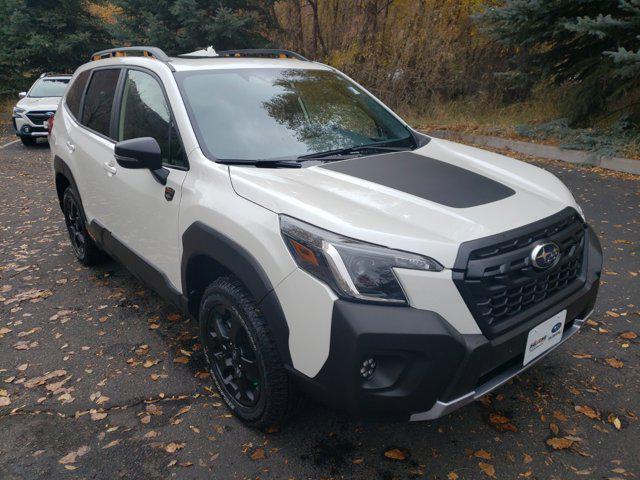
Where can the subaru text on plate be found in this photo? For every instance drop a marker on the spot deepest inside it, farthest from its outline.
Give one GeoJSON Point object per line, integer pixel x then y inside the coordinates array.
{"type": "Point", "coordinates": [31, 113]}
{"type": "Point", "coordinates": [320, 242]}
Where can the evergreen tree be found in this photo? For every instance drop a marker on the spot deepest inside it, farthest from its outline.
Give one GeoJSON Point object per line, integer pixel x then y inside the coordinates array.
{"type": "Point", "coordinates": [181, 26]}
{"type": "Point", "coordinates": [45, 35]}
{"type": "Point", "coordinates": [594, 44]}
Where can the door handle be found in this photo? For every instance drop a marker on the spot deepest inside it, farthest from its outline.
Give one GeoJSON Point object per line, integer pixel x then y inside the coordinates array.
{"type": "Point", "coordinates": [71, 147]}
{"type": "Point", "coordinates": [110, 167]}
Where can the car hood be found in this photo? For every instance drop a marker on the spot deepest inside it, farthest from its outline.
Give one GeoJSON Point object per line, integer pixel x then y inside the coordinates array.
{"type": "Point", "coordinates": [427, 201]}
{"type": "Point", "coordinates": [39, 103]}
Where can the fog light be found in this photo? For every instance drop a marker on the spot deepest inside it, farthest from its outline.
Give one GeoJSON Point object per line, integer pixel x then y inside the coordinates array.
{"type": "Point", "coordinates": [367, 368]}
{"type": "Point", "coordinates": [26, 129]}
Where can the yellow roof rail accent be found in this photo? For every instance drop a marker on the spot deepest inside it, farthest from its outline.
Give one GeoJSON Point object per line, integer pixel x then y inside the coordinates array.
{"type": "Point", "coordinates": [149, 52]}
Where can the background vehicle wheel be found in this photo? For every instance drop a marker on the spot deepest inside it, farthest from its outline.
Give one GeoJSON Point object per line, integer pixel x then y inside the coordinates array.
{"type": "Point", "coordinates": [28, 141]}
{"type": "Point", "coordinates": [87, 252]}
{"type": "Point", "coordinates": [243, 359]}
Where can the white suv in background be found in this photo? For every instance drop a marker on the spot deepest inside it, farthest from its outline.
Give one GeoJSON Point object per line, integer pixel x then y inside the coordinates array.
{"type": "Point", "coordinates": [320, 242]}
{"type": "Point", "coordinates": [31, 113]}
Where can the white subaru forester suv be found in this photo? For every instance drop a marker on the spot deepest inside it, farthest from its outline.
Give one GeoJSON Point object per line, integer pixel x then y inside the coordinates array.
{"type": "Point", "coordinates": [322, 244]}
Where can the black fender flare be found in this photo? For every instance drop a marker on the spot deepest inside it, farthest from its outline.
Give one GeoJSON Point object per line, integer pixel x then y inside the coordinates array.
{"type": "Point", "coordinates": [61, 167]}
{"type": "Point", "coordinates": [201, 241]}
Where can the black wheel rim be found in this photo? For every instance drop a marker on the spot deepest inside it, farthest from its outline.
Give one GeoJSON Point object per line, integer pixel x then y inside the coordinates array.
{"type": "Point", "coordinates": [231, 355]}
{"type": "Point", "coordinates": [75, 226]}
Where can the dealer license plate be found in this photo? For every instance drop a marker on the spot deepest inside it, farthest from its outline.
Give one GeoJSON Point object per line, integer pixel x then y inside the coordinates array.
{"type": "Point", "coordinates": [544, 336]}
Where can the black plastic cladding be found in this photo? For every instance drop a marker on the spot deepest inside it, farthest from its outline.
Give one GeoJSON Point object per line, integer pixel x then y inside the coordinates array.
{"type": "Point", "coordinates": [500, 286]}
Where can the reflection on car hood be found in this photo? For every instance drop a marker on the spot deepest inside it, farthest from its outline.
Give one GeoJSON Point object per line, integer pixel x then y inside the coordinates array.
{"type": "Point", "coordinates": [427, 201]}
{"type": "Point", "coordinates": [39, 103]}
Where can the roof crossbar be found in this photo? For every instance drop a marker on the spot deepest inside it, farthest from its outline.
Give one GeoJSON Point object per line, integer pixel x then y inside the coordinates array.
{"type": "Point", "coordinates": [153, 52]}
{"type": "Point", "coordinates": [262, 52]}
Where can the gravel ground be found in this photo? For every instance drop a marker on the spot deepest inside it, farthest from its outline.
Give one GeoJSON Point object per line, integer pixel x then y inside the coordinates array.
{"type": "Point", "coordinates": [101, 379]}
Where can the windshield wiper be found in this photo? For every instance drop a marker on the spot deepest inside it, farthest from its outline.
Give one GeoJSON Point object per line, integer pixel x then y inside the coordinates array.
{"type": "Point", "coordinates": [261, 163]}
{"type": "Point", "coordinates": [356, 149]}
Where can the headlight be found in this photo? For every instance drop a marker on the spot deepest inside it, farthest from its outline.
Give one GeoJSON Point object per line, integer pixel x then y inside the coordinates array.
{"type": "Point", "coordinates": [18, 111]}
{"type": "Point", "coordinates": [353, 269]}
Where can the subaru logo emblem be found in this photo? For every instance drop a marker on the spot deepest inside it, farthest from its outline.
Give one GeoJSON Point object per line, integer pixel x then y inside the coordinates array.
{"type": "Point", "coordinates": [545, 255]}
{"type": "Point", "coordinates": [556, 327]}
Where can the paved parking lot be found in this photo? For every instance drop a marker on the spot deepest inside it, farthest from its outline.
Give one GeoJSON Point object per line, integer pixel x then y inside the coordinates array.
{"type": "Point", "coordinates": [101, 379]}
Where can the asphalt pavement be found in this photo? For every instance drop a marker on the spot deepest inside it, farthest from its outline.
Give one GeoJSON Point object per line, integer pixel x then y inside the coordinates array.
{"type": "Point", "coordinates": [102, 379]}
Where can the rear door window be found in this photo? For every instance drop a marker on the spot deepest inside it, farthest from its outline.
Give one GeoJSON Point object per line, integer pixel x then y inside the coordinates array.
{"type": "Point", "coordinates": [144, 112]}
{"type": "Point", "coordinates": [74, 94]}
{"type": "Point", "coordinates": [98, 101]}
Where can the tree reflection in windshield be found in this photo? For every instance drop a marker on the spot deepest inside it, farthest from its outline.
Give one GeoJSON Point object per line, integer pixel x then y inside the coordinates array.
{"type": "Point", "coordinates": [282, 113]}
{"type": "Point", "coordinates": [325, 112]}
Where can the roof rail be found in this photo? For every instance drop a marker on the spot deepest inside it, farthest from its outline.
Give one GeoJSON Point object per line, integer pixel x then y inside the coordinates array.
{"type": "Point", "coordinates": [153, 52]}
{"type": "Point", "coordinates": [262, 52]}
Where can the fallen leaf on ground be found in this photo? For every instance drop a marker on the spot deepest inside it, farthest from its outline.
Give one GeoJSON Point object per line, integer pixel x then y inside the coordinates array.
{"type": "Point", "coordinates": [71, 457]}
{"type": "Point", "coordinates": [488, 469]}
{"type": "Point", "coordinates": [33, 295]}
{"type": "Point", "coordinates": [173, 447]}
{"type": "Point", "coordinates": [396, 454]}
{"type": "Point", "coordinates": [614, 362]}
{"type": "Point", "coordinates": [629, 335]}
{"type": "Point", "coordinates": [483, 454]}
{"type": "Point", "coordinates": [559, 443]}
{"type": "Point", "coordinates": [615, 421]}
{"type": "Point", "coordinates": [581, 355]}
{"type": "Point", "coordinates": [95, 416]}
{"type": "Point", "coordinates": [258, 454]}
{"type": "Point", "coordinates": [587, 411]}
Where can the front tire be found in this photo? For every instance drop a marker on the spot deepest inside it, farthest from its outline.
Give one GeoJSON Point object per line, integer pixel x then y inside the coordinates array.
{"type": "Point", "coordinates": [28, 141]}
{"type": "Point", "coordinates": [85, 249]}
{"type": "Point", "coordinates": [242, 355]}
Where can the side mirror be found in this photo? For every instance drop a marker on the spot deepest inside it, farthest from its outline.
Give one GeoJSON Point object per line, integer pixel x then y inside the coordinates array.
{"type": "Point", "coordinates": [22, 94]}
{"type": "Point", "coordinates": [143, 152]}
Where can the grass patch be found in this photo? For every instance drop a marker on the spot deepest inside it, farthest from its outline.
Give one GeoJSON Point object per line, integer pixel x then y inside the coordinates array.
{"type": "Point", "coordinates": [538, 119]}
{"type": "Point", "coordinates": [6, 109]}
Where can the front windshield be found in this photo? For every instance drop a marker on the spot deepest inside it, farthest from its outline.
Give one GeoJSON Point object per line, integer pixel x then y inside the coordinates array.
{"type": "Point", "coordinates": [49, 87]}
{"type": "Point", "coordinates": [252, 114]}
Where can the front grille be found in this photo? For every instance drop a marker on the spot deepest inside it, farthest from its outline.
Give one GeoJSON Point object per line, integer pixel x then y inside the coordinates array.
{"type": "Point", "coordinates": [498, 282]}
{"type": "Point", "coordinates": [39, 117]}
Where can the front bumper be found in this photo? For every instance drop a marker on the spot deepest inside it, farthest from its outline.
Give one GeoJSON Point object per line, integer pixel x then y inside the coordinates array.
{"type": "Point", "coordinates": [26, 128]}
{"type": "Point", "coordinates": [425, 368]}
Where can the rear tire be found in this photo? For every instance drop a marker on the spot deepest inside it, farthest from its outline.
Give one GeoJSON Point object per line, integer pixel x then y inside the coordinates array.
{"type": "Point", "coordinates": [85, 249]}
{"type": "Point", "coordinates": [28, 141]}
{"type": "Point", "coordinates": [242, 355]}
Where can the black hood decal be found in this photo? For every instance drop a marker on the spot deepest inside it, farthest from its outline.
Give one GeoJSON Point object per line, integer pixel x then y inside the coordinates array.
{"type": "Point", "coordinates": [425, 177]}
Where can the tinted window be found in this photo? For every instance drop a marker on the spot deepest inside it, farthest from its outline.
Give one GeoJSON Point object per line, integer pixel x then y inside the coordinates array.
{"type": "Point", "coordinates": [282, 113]}
{"type": "Point", "coordinates": [98, 101]}
{"type": "Point", "coordinates": [49, 87]}
{"type": "Point", "coordinates": [145, 112]}
{"type": "Point", "coordinates": [74, 95]}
